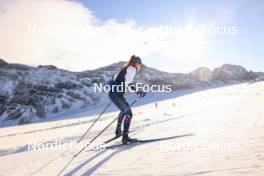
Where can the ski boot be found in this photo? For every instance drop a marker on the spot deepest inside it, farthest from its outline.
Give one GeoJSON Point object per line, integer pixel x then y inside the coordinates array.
{"type": "Point", "coordinates": [118, 130]}
{"type": "Point", "coordinates": [127, 140]}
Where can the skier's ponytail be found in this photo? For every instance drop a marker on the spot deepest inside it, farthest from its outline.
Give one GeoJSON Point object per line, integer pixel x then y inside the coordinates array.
{"type": "Point", "coordinates": [133, 61]}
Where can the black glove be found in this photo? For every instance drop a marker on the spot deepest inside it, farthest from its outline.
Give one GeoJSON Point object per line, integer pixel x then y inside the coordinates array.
{"type": "Point", "coordinates": [141, 94]}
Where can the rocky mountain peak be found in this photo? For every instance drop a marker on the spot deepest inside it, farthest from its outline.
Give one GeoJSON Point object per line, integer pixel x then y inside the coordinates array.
{"type": "Point", "coordinates": [3, 63]}
{"type": "Point", "coordinates": [229, 72]}
{"type": "Point", "coordinates": [202, 73]}
{"type": "Point", "coordinates": [31, 93]}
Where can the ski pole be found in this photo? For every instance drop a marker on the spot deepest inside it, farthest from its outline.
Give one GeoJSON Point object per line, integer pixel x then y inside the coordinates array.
{"type": "Point", "coordinates": [78, 153]}
{"type": "Point", "coordinates": [94, 122]}
{"type": "Point", "coordinates": [54, 159]}
{"type": "Point", "coordinates": [106, 127]}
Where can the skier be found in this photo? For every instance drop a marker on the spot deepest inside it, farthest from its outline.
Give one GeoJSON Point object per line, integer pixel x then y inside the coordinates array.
{"type": "Point", "coordinates": [124, 79]}
{"type": "Point", "coordinates": [156, 105]}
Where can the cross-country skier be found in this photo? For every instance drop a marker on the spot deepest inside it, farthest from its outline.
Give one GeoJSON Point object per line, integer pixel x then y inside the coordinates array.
{"type": "Point", "coordinates": [124, 79]}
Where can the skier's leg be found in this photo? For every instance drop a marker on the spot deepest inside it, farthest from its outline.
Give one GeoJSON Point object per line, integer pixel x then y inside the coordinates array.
{"type": "Point", "coordinates": [118, 130]}
{"type": "Point", "coordinates": [120, 118]}
{"type": "Point", "coordinates": [127, 114]}
{"type": "Point", "coordinates": [127, 121]}
{"type": "Point", "coordinates": [120, 102]}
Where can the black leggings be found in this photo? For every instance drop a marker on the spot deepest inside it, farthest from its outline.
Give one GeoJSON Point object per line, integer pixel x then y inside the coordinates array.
{"type": "Point", "coordinates": [125, 111]}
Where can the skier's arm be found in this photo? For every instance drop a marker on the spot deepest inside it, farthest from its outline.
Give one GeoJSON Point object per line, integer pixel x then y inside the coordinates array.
{"type": "Point", "coordinates": [130, 75]}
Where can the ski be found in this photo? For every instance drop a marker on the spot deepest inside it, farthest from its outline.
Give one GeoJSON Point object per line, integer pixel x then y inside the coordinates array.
{"type": "Point", "coordinates": [112, 139]}
{"type": "Point", "coordinates": [114, 146]}
{"type": "Point", "coordinates": [139, 141]}
{"type": "Point", "coordinates": [93, 139]}
{"type": "Point", "coordinates": [116, 137]}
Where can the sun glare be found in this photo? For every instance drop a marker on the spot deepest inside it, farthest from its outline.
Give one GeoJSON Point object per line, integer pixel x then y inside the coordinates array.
{"type": "Point", "coordinates": [191, 44]}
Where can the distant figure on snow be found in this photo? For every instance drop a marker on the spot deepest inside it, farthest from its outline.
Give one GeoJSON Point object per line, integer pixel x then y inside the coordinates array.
{"type": "Point", "coordinates": [156, 105]}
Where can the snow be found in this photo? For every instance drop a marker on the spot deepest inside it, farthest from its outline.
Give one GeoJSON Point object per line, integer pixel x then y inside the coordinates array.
{"type": "Point", "coordinates": [225, 126]}
{"type": "Point", "coordinates": [6, 87]}
{"type": "Point", "coordinates": [35, 94]}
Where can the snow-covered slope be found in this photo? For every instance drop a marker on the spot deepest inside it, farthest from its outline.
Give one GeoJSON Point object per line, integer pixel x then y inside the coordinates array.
{"type": "Point", "coordinates": [213, 132]}
{"type": "Point", "coordinates": [29, 94]}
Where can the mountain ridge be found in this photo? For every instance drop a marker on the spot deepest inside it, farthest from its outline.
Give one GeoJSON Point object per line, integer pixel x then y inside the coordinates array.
{"type": "Point", "coordinates": [30, 93]}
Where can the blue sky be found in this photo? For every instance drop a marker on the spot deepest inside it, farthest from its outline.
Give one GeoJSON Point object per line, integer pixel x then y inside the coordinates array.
{"type": "Point", "coordinates": [162, 32]}
{"type": "Point", "coordinates": [246, 48]}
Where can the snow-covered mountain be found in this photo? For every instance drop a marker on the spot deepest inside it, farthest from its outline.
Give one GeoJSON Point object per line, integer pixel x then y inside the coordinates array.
{"type": "Point", "coordinates": [202, 73]}
{"type": "Point", "coordinates": [32, 93]}
{"type": "Point", "coordinates": [29, 93]}
{"type": "Point", "coordinates": [146, 75]}
{"type": "Point", "coordinates": [233, 73]}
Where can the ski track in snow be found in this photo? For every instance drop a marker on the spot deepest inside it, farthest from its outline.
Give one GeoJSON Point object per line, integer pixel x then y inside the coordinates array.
{"type": "Point", "coordinates": [231, 115]}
